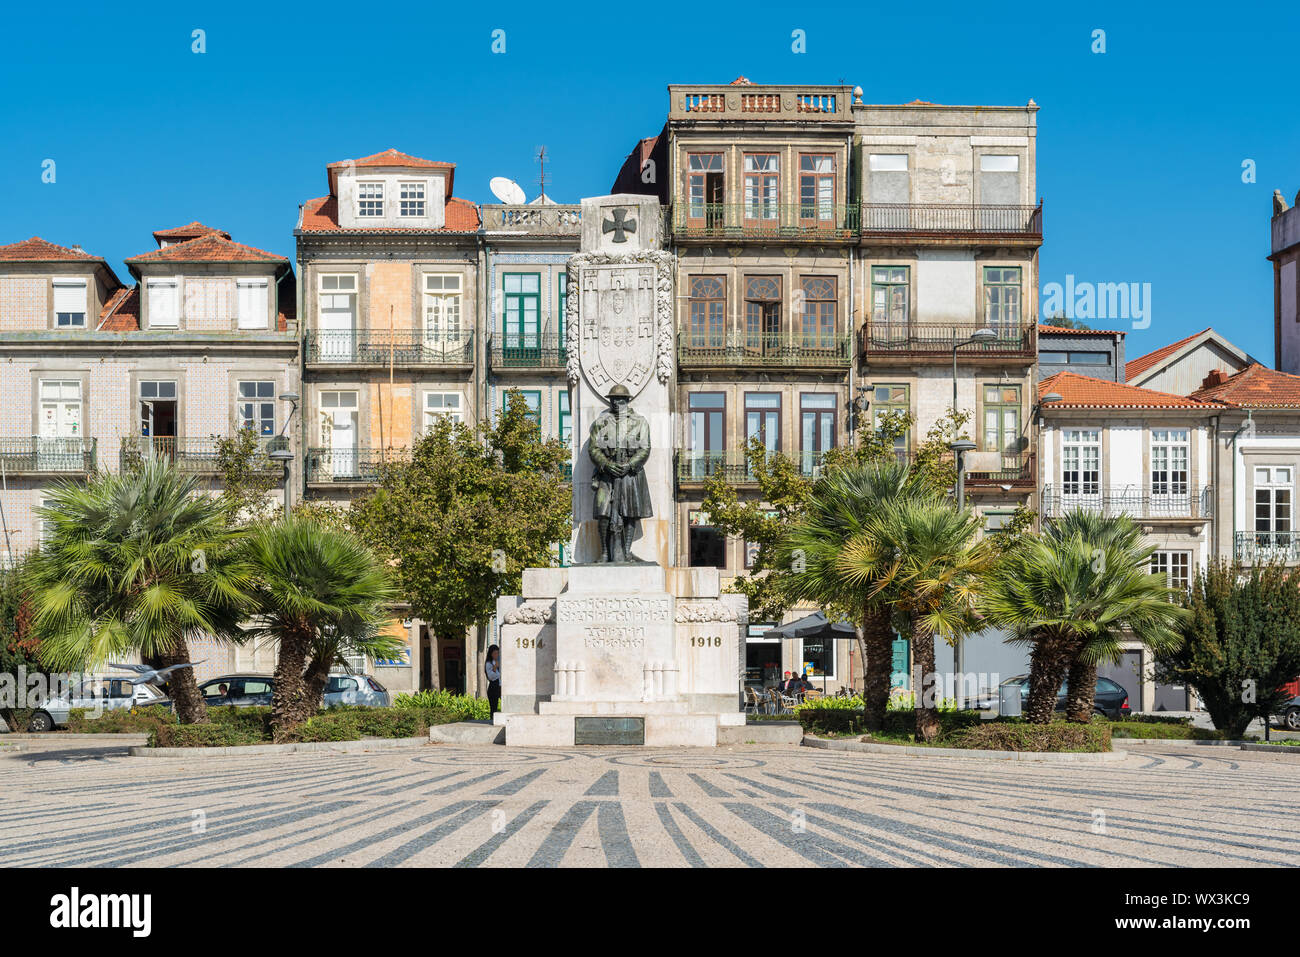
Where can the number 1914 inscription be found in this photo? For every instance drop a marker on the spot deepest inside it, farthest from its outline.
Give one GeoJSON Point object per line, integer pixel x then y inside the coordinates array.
{"type": "Point", "coordinates": [528, 643]}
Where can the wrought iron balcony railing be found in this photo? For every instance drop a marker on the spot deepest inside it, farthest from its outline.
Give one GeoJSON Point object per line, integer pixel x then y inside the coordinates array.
{"type": "Point", "coordinates": [188, 454]}
{"type": "Point", "coordinates": [1172, 500]}
{"type": "Point", "coordinates": [734, 467]}
{"type": "Point", "coordinates": [36, 454]}
{"type": "Point", "coordinates": [349, 465]}
{"type": "Point", "coordinates": [795, 350]}
{"type": "Point", "coordinates": [1263, 547]}
{"type": "Point", "coordinates": [938, 338]}
{"type": "Point", "coordinates": [545, 350]}
{"type": "Point", "coordinates": [892, 219]}
{"type": "Point", "coordinates": [814, 220]}
{"type": "Point", "coordinates": [1015, 467]}
{"type": "Point", "coordinates": [398, 348]}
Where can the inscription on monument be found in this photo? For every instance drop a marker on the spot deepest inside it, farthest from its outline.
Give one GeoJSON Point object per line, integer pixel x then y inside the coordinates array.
{"type": "Point", "coordinates": [608, 730]}
{"type": "Point", "coordinates": [615, 610]}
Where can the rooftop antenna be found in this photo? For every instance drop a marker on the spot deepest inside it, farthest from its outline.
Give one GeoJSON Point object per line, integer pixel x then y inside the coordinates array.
{"type": "Point", "coordinates": [541, 177]}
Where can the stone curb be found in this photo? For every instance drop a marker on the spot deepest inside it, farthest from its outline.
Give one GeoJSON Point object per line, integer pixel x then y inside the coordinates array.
{"type": "Point", "coordinates": [1271, 748]}
{"type": "Point", "coordinates": [1050, 757]}
{"type": "Point", "coordinates": [1202, 743]}
{"type": "Point", "coordinates": [467, 732]}
{"type": "Point", "coordinates": [788, 734]}
{"type": "Point", "coordinates": [373, 744]}
{"type": "Point", "coordinates": [11, 747]}
{"type": "Point", "coordinates": [57, 737]}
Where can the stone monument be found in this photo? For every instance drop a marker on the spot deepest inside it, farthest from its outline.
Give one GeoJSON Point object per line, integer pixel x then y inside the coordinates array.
{"type": "Point", "coordinates": [621, 647]}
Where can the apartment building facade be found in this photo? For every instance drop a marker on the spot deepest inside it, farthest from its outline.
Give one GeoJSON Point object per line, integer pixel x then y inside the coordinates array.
{"type": "Point", "coordinates": [394, 336]}
{"type": "Point", "coordinates": [101, 373]}
{"type": "Point", "coordinates": [1118, 449]}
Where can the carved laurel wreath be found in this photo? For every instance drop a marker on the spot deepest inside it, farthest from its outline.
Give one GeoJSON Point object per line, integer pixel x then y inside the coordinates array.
{"type": "Point", "coordinates": [529, 615]}
{"type": "Point", "coordinates": [663, 263]}
{"type": "Point", "coordinates": [705, 611]}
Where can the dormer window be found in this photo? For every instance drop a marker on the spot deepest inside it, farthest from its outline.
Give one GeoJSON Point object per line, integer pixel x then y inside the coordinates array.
{"type": "Point", "coordinates": [412, 199]}
{"type": "Point", "coordinates": [370, 200]}
{"type": "Point", "coordinates": [70, 303]}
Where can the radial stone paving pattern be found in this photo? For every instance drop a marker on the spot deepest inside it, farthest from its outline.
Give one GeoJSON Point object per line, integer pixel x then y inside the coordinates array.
{"type": "Point", "coordinates": [624, 807]}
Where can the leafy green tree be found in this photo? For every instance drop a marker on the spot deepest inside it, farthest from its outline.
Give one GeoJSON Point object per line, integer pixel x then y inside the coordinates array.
{"type": "Point", "coordinates": [467, 513]}
{"type": "Point", "coordinates": [1241, 642]}
{"type": "Point", "coordinates": [19, 649]}
{"type": "Point", "coordinates": [923, 556]}
{"type": "Point", "coordinates": [136, 562]}
{"type": "Point", "coordinates": [248, 478]}
{"type": "Point", "coordinates": [318, 593]}
{"type": "Point", "coordinates": [1073, 594]}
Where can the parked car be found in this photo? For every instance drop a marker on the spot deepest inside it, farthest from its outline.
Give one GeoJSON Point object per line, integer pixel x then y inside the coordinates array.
{"type": "Point", "coordinates": [1291, 714]}
{"type": "Point", "coordinates": [356, 689]}
{"type": "Point", "coordinates": [108, 694]}
{"type": "Point", "coordinates": [241, 691]}
{"type": "Point", "coordinates": [252, 690]}
{"type": "Point", "coordinates": [1110, 700]}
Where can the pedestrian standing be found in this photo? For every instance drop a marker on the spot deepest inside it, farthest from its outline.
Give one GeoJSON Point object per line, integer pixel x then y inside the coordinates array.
{"type": "Point", "coordinates": [493, 670]}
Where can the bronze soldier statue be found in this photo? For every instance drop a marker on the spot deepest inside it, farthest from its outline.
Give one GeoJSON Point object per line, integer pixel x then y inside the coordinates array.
{"type": "Point", "coordinates": [619, 446]}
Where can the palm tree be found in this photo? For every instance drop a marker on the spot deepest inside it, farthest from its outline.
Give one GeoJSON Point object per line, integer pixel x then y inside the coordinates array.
{"type": "Point", "coordinates": [924, 556]}
{"type": "Point", "coordinates": [318, 593]}
{"type": "Point", "coordinates": [837, 511]}
{"type": "Point", "coordinates": [137, 562]}
{"type": "Point", "coordinates": [1074, 594]}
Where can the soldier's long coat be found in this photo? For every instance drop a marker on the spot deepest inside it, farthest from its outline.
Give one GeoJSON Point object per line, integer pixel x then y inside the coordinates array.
{"type": "Point", "coordinates": [622, 440]}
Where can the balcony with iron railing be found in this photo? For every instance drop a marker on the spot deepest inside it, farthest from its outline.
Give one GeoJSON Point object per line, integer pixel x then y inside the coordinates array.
{"type": "Point", "coordinates": [819, 222]}
{"type": "Point", "coordinates": [1263, 548]}
{"type": "Point", "coordinates": [805, 104]}
{"type": "Point", "coordinates": [349, 466]}
{"type": "Point", "coordinates": [199, 455]}
{"type": "Point", "coordinates": [697, 468]}
{"type": "Point", "coordinates": [380, 348]}
{"type": "Point", "coordinates": [533, 220]}
{"type": "Point", "coordinates": [951, 222]}
{"type": "Point", "coordinates": [1173, 501]}
{"type": "Point", "coordinates": [526, 352]}
{"type": "Point", "coordinates": [1010, 468]}
{"type": "Point", "coordinates": [935, 340]}
{"type": "Point", "coordinates": [721, 350]}
{"type": "Point", "coordinates": [40, 455]}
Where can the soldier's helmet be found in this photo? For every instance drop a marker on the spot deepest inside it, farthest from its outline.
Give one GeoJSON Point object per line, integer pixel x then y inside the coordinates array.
{"type": "Point", "coordinates": [619, 392]}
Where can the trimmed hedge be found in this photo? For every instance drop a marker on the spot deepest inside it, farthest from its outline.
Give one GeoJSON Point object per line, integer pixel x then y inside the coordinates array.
{"type": "Point", "coordinates": [214, 735]}
{"type": "Point", "coordinates": [461, 707]}
{"type": "Point", "coordinates": [833, 720]}
{"type": "Point", "coordinates": [1165, 730]}
{"type": "Point", "coordinates": [1023, 736]}
{"type": "Point", "coordinates": [125, 721]}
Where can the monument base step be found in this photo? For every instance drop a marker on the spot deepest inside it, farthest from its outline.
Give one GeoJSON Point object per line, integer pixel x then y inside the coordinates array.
{"type": "Point", "coordinates": [612, 707]}
{"type": "Point", "coordinates": [661, 730]}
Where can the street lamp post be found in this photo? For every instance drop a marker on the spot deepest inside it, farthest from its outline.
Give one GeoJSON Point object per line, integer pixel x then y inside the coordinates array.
{"type": "Point", "coordinates": [960, 447]}
{"type": "Point", "coordinates": [280, 449]}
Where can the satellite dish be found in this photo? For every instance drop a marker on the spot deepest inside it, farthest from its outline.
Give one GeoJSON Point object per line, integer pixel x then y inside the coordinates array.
{"type": "Point", "coordinates": [506, 190]}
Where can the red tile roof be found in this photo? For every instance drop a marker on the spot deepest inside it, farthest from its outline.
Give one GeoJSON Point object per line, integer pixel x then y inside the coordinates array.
{"type": "Point", "coordinates": [209, 248]}
{"type": "Point", "coordinates": [190, 231]}
{"type": "Point", "coordinates": [1255, 387]}
{"type": "Point", "coordinates": [1084, 392]}
{"type": "Point", "coordinates": [1066, 331]}
{"type": "Point", "coordinates": [319, 215]}
{"type": "Point", "coordinates": [389, 157]}
{"type": "Point", "coordinates": [38, 250]}
{"type": "Point", "coordinates": [741, 81]}
{"type": "Point", "coordinates": [1141, 364]}
{"type": "Point", "coordinates": [122, 311]}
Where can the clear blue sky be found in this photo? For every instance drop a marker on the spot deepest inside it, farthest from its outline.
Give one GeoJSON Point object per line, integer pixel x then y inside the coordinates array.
{"type": "Point", "coordinates": [1139, 149]}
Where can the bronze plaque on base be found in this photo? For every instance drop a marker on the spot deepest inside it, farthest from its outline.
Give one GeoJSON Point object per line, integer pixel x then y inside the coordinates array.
{"type": "Point", "coordinates": [608, 730]}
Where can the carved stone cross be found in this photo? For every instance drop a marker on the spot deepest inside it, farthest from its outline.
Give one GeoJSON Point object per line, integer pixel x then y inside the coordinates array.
{"type": "Point", "coordinates": [620, 225]}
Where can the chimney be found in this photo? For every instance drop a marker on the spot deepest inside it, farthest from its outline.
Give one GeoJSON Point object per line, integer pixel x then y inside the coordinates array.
{"type": "Point", "coordinates": [1216, 377]}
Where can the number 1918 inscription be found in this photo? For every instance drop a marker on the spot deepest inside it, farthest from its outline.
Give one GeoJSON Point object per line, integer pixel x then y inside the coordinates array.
{"type": "Point", "coordinates": [714, 642]}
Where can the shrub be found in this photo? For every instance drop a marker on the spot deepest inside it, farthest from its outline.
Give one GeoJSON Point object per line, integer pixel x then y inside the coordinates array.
{"type": "Point", "coordinates": [255, 721]}
{"type": "Point", "coordinates": [1023, 736]}
{"type": "Point", "coordinates": [464, 707]}
{"type": "Point", "coordinates": [1158, 719]}
{"type": "Point", "coordinates": [906, 701]}
{"type": "Point", "coordinates": [1165, 730]}
{"type": "Point", "coordinates": [125, 721]}
{"type": "Point", "coordinates": [201, 736]}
